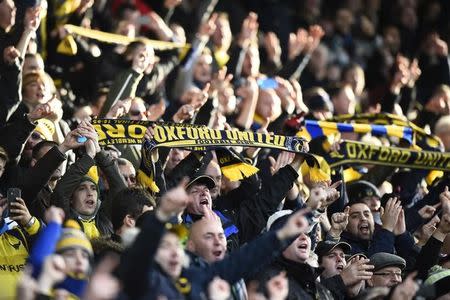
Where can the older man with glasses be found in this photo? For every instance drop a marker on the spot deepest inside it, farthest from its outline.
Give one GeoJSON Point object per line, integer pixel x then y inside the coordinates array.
{"type": "Point", "coordinates": [388, 270]}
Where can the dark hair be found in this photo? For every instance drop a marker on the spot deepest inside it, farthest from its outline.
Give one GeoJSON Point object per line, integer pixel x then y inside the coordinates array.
{"type": "Point", "coordinates": [3, 153]}
{"type": "Point", "coordinates": [40, 145]}
{"type": "Point", "coordinates": [129, 201]}
{"type": "Point", "coordinates": [132, 47]}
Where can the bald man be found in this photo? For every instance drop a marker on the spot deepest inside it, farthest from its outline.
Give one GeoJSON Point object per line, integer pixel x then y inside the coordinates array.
{"type": "Point", "coordinates": [207, 239]}
{"type": "Point", "coordinates": [207, 244]}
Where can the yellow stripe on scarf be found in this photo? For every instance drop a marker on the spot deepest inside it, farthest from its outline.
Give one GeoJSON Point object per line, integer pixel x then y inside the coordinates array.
{"type": "Point", "coordinates": [113, 38]}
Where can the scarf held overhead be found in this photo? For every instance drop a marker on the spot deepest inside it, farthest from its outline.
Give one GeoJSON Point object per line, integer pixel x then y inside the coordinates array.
{"type": "Point", "coordinates": [421, 138]}
{"type": "Point", "coordinates": [361, 153]}
{"type": "Point", "coordinates": [200, 138]}
{"type": "Point", "coordinates": [313, 129]}
{"type": "Point", "coordinates": [191, 136]}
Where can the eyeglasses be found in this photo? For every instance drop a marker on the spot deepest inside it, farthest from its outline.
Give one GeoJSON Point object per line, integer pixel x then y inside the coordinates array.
{"type": "Point", "coordinates": [391, 274]}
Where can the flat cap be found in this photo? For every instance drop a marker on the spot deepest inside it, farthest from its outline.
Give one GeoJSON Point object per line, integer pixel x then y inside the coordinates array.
{"type": "Point", "coordinates": [382, 260]}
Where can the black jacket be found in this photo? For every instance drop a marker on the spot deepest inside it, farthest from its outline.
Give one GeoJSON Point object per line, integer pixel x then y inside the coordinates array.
{"type": "Point", "coordinates": [65, 188]}
{"type": "Point", "coordinates": [302, 279]}
{"type": "Point", "coordinates": [137, 265]}
{"type": "Point", "coordinates": [11, 87]}
{"type": "Point", "coordinates": [251, 206]}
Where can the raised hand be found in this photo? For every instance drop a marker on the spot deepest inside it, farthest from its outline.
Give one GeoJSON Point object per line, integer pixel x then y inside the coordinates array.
{"type": "Point", "coordinates": [87, 130]}
{"type": "Point", "coordinates": [297, 42]}
{"type": "Point", "coordinates": [170, 4]}
{"type": "Point", "coordinates": [339, 222]}
{"type": "Point", "coordinates": [32, 19]}
{"type": "Point", "coordinates": [10, 54]}
{"type": "Point", "coordinates": [102, 277]}
{"type": "Point", "coordinates": [315, 35]}
{"type": "Point", "coordinates": [207, 29]}
{"type": "Point", "coordinates": [157, 24]}
{"type": "Point", "coordinates": [42, 110]}
{"type": "Point", "coordinates": [389, 215]}
{"type": "Point", "coordinates": [220, 81]}
{"type": "Point", "coordinates": [414, 73]}
{"type": "Point", "coordinates": [428, 211]}
{"type": "Point", "coordinates": [156, 111]}
{"type": "Point", "coordinates": [209, 214]}
{"type": "Point", "coordinates": [249, 30]}
{"type": "Point", "coordinates": [407, 289]}
{"type": "Point", "coordinates": [54, 214]}
{"type": "Point", "coordinates": [400, 227]}
{"type": "Point", "coordinates": [272, 46]}
{"type": "Point", "coordinates": [332, 193]}
{"type": "Point", "coordinates": [53, 271]}
{"type": "Point", "coordinates": [440, 46]}
{"type": "Point", "coordinates": [444, 224]}
{"type": "Point", "coordinates": [286, 93]}
{"type": "Point", "coordinates": [122, 107]}
{"type": "Point", "coordinates": [71, 141]}
{"type": "Point", "coordinates": [26, 285]}
{"type": "Point", "coordinates": [278, 287]}
{"type": "Point", "coordinates": [173, 201]}
{"type": "Point", "coordinates": [219, 289]}
{"type": "Point", "coordinates": [295, 225]}
{"type": "Point", "coordinates": [18, 212]}
{"type": "Point", "coordinates": [427, 231]}
{"type": "Point", "coordinates": [444, 198]}
{"type": "Point", "coordinates": [283, 159]}
{"type": "Point", "coordinates": [356, 271]}
{"type": "Point", "coordinates": [317, 196]}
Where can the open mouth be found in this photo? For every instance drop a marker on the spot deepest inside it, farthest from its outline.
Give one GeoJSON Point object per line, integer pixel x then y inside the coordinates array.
{"type": "Point", "coordinates": [204, 202]}
{"type": "Point", "coordinates": [340, 268]}
{"type": "Point", "coordinates": [90, 202]}
{"type": "Point", "coordinates": [173, 264]}
{"type": "Point", "coordinates": [217, 253]}
{"type": "Point", "coordinates": [364, 228]}
{"type": "Point", "coordinates": [303, 247]}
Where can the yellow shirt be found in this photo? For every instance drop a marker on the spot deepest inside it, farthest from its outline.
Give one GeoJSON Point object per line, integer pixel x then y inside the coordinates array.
{"type": "Point", "coordinates": [13, 255]}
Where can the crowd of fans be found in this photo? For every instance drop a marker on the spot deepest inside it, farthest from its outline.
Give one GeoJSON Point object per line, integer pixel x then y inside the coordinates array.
{"type": "Point", "coordinates": [76, 223]}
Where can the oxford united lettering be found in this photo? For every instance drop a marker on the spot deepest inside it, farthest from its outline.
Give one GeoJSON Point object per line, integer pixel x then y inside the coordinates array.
{"type": "Point", "coordinates": [356, 152]}
{"type": "Point", "coordinates": [181, 135]}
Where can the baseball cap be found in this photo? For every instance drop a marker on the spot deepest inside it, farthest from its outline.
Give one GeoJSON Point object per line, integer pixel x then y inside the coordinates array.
{"type": "Point", "coordinates": [202, 179]}
{"type": "Point", "coordinates": [325, 247]}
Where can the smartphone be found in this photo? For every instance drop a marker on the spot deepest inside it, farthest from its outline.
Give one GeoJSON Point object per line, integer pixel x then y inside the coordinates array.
{"type": "Point", "coordinates": [267, 83]}
{"type": "Point", "coordinates": [12, 195]}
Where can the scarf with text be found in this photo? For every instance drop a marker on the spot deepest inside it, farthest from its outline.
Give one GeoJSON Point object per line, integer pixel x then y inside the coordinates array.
{"type": "Point", "coordinates": [199, 138]}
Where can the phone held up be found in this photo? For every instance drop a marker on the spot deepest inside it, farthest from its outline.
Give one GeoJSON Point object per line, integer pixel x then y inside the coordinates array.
{"type": "Point", "coordinates": [11, 196]}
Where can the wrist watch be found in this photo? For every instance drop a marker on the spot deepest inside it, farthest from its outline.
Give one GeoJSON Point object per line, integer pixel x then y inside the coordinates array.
{"type": "Point", "coordinates": [30, 223]}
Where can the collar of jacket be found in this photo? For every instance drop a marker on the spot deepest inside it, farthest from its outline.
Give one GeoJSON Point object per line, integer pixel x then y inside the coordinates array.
{"type": "Point", "coordinates": [301, 272]}
{"type": "Point", "coordinates": [191, 218]}
{"type": "Point", "coordinates": [87, 217]}
{"type": "Point", "coordinates": [351, 239]}
{"type": "Point", "coordinates": [195, 260]}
